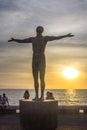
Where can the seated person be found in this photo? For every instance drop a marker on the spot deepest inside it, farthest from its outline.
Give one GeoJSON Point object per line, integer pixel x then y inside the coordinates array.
{"type": "Point", "coordinates": [49, 96]}
{"type": "Point", "coordinates": [26, 94]}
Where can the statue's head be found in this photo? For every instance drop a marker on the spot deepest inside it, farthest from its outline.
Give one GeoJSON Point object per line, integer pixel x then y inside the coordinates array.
{"type": "Point", "coordinates": [39, 29]}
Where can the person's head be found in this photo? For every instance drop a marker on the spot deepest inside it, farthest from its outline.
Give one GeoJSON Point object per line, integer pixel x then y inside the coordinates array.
{"type": "Point", "coordinates": [39, 30]}
{"type": "Point", "coordinates": [4, 94]}
{"type": "Point", "coordinates": [48, 93]}
{"type": "Point", "coordinates": [51, 94]}
{"type": "Point", "coordinates": [26, 91]}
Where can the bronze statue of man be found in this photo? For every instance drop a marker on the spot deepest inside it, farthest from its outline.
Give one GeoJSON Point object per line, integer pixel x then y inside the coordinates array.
{"type": "Point", "coordinates": [39, 43]}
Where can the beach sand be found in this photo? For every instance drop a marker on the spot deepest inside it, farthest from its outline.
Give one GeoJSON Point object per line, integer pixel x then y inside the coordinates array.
{"type": "Point", "coordinates": [65, 121]}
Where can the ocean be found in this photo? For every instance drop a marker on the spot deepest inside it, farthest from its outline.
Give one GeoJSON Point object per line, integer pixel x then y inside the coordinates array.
{"type": "Point", "coordinates": [65, 97]}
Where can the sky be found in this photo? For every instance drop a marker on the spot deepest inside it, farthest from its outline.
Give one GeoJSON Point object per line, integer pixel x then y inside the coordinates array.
{"type": "Point", "coordinates": [19, 19]}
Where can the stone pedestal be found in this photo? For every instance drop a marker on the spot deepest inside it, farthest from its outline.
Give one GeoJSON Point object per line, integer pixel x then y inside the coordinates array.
{"type": "Point", "coordinates": [38, 115]}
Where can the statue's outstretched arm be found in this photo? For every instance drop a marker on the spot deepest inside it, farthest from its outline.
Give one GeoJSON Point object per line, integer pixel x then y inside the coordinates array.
{"type": "Point", "coordinates": [27, 40]}
{"type": "Point", "coordinates": [51, 38]}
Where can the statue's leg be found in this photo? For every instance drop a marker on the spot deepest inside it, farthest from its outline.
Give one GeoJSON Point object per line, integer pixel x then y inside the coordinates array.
{"type": "Point", "coordinates": [42, 75]}
{"type": "Point", "coordinates": [35, 76]}
{"type": "Point", "coordinates": [36, 84]}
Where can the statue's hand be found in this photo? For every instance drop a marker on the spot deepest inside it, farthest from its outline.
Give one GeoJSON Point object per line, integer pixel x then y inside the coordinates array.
{"type": "Point", "coordinates": [12, 39]}
{"type": "Point", "coordinates": [69, 35]}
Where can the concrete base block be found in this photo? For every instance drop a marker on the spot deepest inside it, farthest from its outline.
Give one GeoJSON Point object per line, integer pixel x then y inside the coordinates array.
{"type": "Point", "coordinates": [39, 115]}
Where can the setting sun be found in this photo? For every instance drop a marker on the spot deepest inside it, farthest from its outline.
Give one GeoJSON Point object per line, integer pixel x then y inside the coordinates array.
{"type": "Point", "coordinates": [70, 73]}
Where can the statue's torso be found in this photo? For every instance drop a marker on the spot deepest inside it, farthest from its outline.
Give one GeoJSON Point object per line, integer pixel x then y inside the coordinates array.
{"type": "Point", "coordinates": [38, 45]}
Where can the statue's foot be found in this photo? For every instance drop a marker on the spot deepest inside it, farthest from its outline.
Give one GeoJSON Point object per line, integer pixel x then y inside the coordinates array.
{"type": "Point", "coordinates": [41, 98]}
{"type": "Point", "coordinates": [36, 99]}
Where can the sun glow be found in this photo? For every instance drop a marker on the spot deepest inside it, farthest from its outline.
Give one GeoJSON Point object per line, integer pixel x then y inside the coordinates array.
{"type": "Point", "coordinates": [70, 73]}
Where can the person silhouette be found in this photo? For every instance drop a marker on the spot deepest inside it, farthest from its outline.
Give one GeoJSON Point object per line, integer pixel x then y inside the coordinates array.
{"type": "Point", "coordinates": [49, 96]}
{"type": "Point", "coordinates": [5, 101]}
{"type": "Point", "coordinates": [26, 94]}
{"type": "Point", "coordinates": [39, 43]}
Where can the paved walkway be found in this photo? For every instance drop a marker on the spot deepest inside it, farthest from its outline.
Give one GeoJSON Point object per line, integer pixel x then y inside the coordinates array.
{"type": "Point", "coordinates": [65, 122]}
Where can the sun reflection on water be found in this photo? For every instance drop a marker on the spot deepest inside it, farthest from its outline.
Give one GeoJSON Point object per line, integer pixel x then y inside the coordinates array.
{"type": "Point", "coordinates": [71, 96]}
